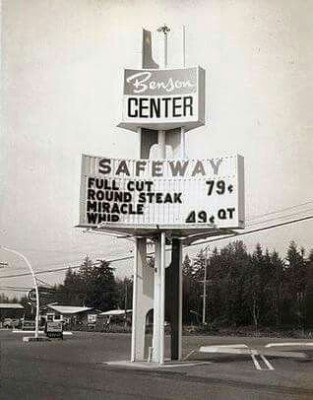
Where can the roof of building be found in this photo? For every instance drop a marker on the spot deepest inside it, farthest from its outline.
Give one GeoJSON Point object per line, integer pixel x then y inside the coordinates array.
{"type": "Point", "coordinates": [68, 309]}
{"type": "Point", "coordinates": [115, 312]}
{"type": "Point", "coordinates": [11, 305]}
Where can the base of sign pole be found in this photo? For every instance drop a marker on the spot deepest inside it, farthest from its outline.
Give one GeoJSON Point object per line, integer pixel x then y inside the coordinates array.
{"type": "Point", "coordinates": [34, 339]}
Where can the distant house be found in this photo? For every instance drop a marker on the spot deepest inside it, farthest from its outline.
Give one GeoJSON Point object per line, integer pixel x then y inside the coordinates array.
{"type": "Point", "coordinates": [116, 317]}
{"type": "Point", "coordinates": [72, 316]}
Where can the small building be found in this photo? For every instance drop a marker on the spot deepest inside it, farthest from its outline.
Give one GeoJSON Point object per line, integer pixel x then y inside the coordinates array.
{"type": "Point", "coordinates": [116, 317]}
{"type": "Point", "coordinates": [72, 316]}
{"type": "Point", "coordinates": [12, 311]}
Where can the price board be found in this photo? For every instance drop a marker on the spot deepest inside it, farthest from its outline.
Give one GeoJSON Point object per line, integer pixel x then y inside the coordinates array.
{"type": "Point", "coordinates": [169, 194]}
{"type": "Point", "coordinates": [54, 329]}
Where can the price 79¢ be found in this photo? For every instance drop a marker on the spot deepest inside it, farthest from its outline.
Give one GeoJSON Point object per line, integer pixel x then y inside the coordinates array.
{"type": "Point", "coordinates": [218, 187]}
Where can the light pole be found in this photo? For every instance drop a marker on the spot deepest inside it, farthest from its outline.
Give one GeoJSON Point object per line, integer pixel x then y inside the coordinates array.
{"type": "Point", "coordinates": [34, 280]}
{"type": "Point", "coordinates": [165, 29]}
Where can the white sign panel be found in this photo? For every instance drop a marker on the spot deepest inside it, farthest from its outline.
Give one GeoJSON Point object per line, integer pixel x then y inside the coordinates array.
{"type": "Point", "coordinates": [54, 327]}
{"type": "Point", "coordinates": [163, 99]}
{"type": "Point", "coordinates": [168, 194]}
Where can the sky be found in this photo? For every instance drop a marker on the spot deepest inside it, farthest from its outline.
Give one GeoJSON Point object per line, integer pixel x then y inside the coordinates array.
{"type": "Point", "coordinates": [62, 65]}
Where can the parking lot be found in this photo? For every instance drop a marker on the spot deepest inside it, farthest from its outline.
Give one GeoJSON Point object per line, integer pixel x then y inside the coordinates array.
{"type": "Point", "coordinates": [96, 366]}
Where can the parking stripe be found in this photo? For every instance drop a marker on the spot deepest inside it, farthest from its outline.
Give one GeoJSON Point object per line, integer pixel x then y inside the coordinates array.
{"type": "Point", "coordinates": [255, 361]}
{"type": "Point", "coordinates": [289, 344]}
{"type": "Point", "coordinates": [268, 364]}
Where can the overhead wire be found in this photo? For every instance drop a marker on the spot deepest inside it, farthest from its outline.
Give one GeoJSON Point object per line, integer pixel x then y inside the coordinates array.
{"type": "Point", "coordinates": [249, 223]}
{"type": "Point", "coordinates": [280, 210]}
{"type": "Point", "coordinates": [279, 218]}
{"type": "Point", "coordinates": [198, 243]}
{"type": "Point", "coordinates": [120, 258]}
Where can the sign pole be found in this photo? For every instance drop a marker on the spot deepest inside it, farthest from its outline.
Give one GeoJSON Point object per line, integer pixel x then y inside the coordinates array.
{"type": "Point", "coordinates": [162, 297]}
{"type": "Point", "coordinates": [134, 314]}
{"type": "Point", "coordinates": [159, 276]}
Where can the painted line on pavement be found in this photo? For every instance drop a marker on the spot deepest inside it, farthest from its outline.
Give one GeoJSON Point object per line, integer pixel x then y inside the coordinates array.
{"type": "Point", "coordinates": [289, 344]}
{"type": "Point", "coordinates": [239, 349]}
{"type": "Point", "coordinates": [255, 361]}
{"type": "Point", "coordinates": [267, 363]}
{"type": "Point", "coordinates": [269, 366]}
{"type": "Point", "coordinates": [65, 333]}
{"type": "Point", "coordinates": [152, 365]}
{"type": "Point", "coordinates": [226, 349]}
{"type": "Point", "coordinates": [189, 354]}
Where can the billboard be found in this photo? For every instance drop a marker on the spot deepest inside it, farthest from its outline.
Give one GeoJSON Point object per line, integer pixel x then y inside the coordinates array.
{"type": "Point", "coordinates": [54, 329]}
{"type": "Point", "coordinates": [167, 194]}
{"type": "Point", "coordinates": [163, 99]}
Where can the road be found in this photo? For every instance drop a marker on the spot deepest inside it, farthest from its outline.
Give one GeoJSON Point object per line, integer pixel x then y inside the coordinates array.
{"type": "Point", "coordinates": [76, 368]}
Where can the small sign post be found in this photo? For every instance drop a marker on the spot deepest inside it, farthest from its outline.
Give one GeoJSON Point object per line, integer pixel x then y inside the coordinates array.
{"type": "Point", "coordinates": [54, 329]}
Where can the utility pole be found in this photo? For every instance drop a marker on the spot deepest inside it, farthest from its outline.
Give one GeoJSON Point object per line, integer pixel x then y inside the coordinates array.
{"type": "Point", "coordinates": [204, 296]}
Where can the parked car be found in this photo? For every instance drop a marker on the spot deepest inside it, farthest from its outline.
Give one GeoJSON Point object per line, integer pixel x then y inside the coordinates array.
{"type": "Point", "coordinates": [11, 323]}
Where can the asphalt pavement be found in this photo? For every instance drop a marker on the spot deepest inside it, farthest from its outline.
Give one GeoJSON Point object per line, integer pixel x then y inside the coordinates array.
{"type": "Point", "coordinates": [96, 366]}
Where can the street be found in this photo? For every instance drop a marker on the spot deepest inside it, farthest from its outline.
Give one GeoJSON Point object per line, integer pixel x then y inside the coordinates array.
{"type": "Point", "coordinates": [76, 368]}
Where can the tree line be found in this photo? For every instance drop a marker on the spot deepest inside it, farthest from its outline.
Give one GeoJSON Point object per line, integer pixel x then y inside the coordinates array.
{"type": "Point", "coordinates": [242, 289]}
{"type": "Point", "coordinates": [94, 285]}
{"type": "Point", "coordinates": [260, 289]}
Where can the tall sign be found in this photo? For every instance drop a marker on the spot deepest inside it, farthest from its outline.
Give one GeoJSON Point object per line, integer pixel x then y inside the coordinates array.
{"type": "Point", "coordinates": [155, 197]}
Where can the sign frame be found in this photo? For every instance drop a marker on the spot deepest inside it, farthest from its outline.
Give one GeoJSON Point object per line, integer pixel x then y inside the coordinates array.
{"type": "Point", "coordinates": [54, 329]}
{"type": "Point", "coordinates": [179, 229]}
{"type": "Point", "coordinates": [165, 123]}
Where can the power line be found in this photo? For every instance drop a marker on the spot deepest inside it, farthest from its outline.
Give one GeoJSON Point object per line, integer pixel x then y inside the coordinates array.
{"type": "Point", "coordinates": [279, 218]}
{"type": "Point", "coordinates": [62, 263]}
{"type": "Point", "coordinates": [16, 287]}
{"type": "Point", "coordinates": [266, 228]}
{"type": "Point", "coordinates": [47, 271]}
{"type": "Point", "coordinates": [280, 210]}
{"type": "Point", "coordinates": [193, 244]}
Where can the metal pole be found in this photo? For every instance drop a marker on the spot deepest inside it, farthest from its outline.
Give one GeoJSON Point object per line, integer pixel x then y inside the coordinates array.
{"type": "Point", "coordinates": [125, 301]}
{"type": "Point", "coordinates": [34, 280]}
{"type": "Point", "coordinates": [162, 297]}
{"type": "Point", "coordinates": [165, 50]}
{"type": "Point", "coordinates": [184, 46]}
{"type": "Point", "coordinates": [180, 311]}
{"type": "Point", "coordinates": [156, 302]}
{"type": "Point", "coordinates": [134, 316]}
{"type": "Point", "coordinates": [204, 287]}
{"type": "Point", "coordinates": [162, 143]}
{"type": "Point", "coordinates": [182, 129]}
{"type": "Point", "coordinates": [165, 29]}
{"type": "Point", "coordinates": [182, 143]}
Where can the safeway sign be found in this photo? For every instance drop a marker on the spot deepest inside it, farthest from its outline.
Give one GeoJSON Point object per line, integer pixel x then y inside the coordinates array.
{"type": "Point", "coordinates": [168, 194]}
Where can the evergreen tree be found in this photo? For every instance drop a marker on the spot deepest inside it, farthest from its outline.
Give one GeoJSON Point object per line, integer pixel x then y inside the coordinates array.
{"type": "Point", "coordinates": [100, 284]}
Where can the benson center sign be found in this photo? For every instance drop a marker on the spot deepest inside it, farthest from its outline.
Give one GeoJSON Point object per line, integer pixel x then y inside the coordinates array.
{"type": "Point", "coordinates": [163, 99]}
{"type": "Point", "coordinates": [168, 194]}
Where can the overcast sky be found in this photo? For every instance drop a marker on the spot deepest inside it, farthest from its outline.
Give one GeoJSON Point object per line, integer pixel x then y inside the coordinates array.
{"type": "Point", "coordinates": [62, 64]}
